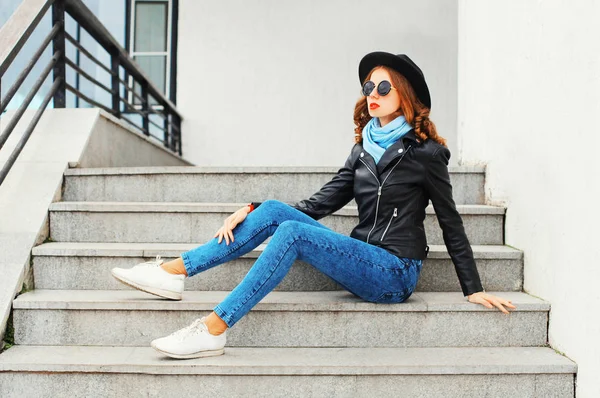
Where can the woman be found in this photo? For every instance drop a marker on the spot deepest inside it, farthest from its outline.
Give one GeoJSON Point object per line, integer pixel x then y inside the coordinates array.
{"type": "Point", "coordinates": [393, 170]}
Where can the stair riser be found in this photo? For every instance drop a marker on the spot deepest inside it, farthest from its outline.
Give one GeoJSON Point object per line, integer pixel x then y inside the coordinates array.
{"type": "Point", "coordinates": [93, 273]}
{"type": "Point", "coordinates": [287, 328]}
{"type": "Point", "coordinates": [468, 188]}
{"type": "Point", "coordinates": [174, 227]}
{"type": "Point", "coordinates": [40, 385]}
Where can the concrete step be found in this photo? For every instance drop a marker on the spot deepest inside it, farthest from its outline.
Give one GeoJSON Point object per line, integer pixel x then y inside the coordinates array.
{"type": "Point", "coordinates": [228, 184]}
{"type": "Point", "coordinates": [86, 266]}
{"type": "Point", "coordinates": [80, 371]}
{"type": "Point", "coordinates": [197, 222]}
{"type": "Point", "coordinates": [281, 319]}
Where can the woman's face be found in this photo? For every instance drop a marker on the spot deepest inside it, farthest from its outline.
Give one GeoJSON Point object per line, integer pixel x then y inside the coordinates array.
{"type": "Point", "coordinates": [388, 104]}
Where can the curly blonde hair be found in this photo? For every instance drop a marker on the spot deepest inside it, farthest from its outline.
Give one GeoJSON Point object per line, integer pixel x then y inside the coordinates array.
{"type": "Point", "coordinates": [416, 114]}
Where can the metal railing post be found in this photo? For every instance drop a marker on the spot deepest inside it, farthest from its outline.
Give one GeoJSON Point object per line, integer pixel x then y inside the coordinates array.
{"type": "Point", "coordinates": [167, 131]}
{"type": "Point", "coordinates": [114, 80]}
{"type": "Point", "coordinates": [58, 45]}
{"type": "Point", "coordinates": [145, 109]}
{"type": "Point", "coordinates": [177, 134]}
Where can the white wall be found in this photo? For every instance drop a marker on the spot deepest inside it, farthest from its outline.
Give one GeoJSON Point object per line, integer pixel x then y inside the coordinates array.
{"type": "Point", "coordinates": [274, 82]}
{"type": "Point", "coordinates": [529, 102]}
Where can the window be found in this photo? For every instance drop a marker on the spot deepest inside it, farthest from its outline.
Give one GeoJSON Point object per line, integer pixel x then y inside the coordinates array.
{"type": "Point", "coordinates": [151, 42]}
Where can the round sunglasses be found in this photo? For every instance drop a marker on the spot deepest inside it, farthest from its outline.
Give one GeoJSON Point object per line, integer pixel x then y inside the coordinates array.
{"type": "Point", "coordinates": [383, 88]}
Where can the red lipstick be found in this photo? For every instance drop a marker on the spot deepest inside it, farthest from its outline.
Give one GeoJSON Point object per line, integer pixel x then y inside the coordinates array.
{"type": "Point", "coordinates": [374, 105]}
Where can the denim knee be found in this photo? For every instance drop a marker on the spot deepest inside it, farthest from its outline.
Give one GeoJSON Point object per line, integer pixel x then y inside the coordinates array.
{"type": "Point", "coordinates": [289, 226]}
{"type": "Point", "coordinates": [272, 203]}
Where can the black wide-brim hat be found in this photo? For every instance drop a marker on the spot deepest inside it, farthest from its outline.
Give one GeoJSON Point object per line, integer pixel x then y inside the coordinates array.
{"type": "Point", "coordinates": [400, 63]}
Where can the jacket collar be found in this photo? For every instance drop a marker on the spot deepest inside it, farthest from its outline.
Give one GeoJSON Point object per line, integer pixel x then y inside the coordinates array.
{"type": "Point", "coordinates": [393, 152]}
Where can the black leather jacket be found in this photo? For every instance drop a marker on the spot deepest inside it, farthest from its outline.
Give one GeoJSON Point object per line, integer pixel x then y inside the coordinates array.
{"type": "Point", "coordinates": [392, 196]}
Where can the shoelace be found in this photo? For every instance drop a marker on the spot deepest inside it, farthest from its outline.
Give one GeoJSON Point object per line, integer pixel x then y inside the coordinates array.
{"type": "Point", "coordinates": [152, 263]}
{"type": "Point", "coordinates": [195, 328]}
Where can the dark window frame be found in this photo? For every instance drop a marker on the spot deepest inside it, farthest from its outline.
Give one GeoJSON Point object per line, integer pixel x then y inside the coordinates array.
{"type": "Point", "coordinates": [172, 66]}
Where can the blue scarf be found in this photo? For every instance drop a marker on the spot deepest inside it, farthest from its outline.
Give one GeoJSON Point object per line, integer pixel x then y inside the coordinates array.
{"type": "Point", "coordinates": [377, 139]}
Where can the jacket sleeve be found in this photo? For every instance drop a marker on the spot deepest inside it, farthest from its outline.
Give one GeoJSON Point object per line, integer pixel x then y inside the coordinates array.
{"type": "Point", "coordinates": [332, 196]}
{"type": "Point", "coordinates": [439, 188]}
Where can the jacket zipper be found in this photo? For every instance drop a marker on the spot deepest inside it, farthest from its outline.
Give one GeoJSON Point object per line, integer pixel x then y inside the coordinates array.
{"type": "Point", "coordinates": [391, 218]}
{"type": "Point", "coordinates": [380, 187]}
{"type": "Point", "coordinates": [378, 196]}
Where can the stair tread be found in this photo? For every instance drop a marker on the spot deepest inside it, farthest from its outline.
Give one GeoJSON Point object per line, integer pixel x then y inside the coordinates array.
{"type": "Point", "coordinates": [101, 171]}
{"type": "Point", "coordinates": [153, 249]}
{"type": "Point", "coordinates": [210, 207]}
{"type": "Point", "coordinates": [339, 300]}
{"type": "Point", "coordinates": [290, 361]}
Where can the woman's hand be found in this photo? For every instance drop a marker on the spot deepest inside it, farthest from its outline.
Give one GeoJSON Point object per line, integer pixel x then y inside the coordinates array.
{"type": "Point", "coordinates": [487, 300]}
{"type": "Point", "coordinates": [230, 223]}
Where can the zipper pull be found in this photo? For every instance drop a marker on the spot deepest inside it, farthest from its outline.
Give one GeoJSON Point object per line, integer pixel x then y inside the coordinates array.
{"type": "Point", "coordinates": [379, 191]}
{"type": "Point", "coordinates": [395, 211]}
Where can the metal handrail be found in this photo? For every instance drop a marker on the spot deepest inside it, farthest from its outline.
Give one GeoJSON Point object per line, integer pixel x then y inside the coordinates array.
{"type": "Point", "coordinates": [13, 122]}
{"type": "Point", "coordinates": [94, 27]}
{"type": "Point", "coordinates": [23, 75]}
{"type": "Point", "coordinates": [18, 28]}
{"type": "Point", "coordinates": [15, 33]}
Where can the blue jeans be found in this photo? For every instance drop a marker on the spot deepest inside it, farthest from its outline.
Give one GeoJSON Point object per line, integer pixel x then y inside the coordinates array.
{"type": "Point", "coordinates": [365, 270]}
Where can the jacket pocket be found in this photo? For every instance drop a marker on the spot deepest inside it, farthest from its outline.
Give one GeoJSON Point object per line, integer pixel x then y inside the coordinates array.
{"type": "Point", "coordinates": [389, 223]}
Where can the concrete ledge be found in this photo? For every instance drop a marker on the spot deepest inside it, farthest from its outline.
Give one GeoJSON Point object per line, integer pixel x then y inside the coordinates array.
{"type": "Point", "coordinates": [85, 266]}
{"type": "Point", "coordinates": [193, 207]}
{"type": "Point", "coordinates": [111, 142]}
{"type": "Point", "coordinates": [93, 249]}
{"type": "Point", "coordinates": [129, 171]}
{"type": "Point", "coordinates": [291, 361]}
{"type": "Point", "coordinates": [197, 222]}
{"type": "Point", "coordinates": [91, 384]}
{"type": "Point", "coordinates": [223, 185]}
{"type": "Point", "coordinates": [274, 301]}
{"type": "Point", "coordinates": [281, 319]}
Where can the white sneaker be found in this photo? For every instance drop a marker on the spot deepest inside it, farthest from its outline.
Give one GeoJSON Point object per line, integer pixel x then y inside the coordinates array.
{"type": "Point", "coordinates": [193, 341]}
{"type": "Point", "coordinates": [151, 278]}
